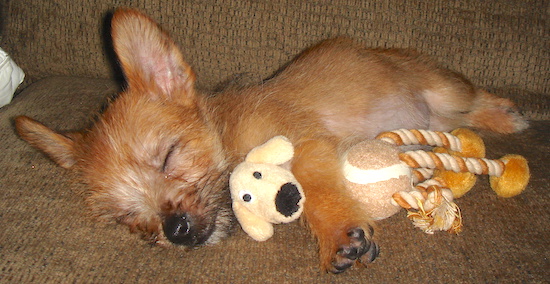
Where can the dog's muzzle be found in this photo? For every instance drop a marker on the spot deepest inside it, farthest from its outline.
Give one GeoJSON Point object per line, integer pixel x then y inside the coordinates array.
{"type": "Point", "coordinates": [184, 229]}
{"type": "Point", "coordinates": [287, 199]}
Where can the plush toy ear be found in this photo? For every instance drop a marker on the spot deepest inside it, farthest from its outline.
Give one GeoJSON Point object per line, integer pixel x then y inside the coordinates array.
{"type": "Point", "coordinates": [277, 150]}
{"type": "Point", "coordinates": [257, 228]}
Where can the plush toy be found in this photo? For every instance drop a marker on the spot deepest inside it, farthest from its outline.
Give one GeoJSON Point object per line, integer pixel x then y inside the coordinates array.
{"type": "Point", "coordinates": [264, 191]}
{"type": "Point", "coordinates": [462, 151]}
{"type": "Point", "coordinates": [386, 179]}
{"type": "Point", "coordinates": [468, 144]}
{"type": "Point", "coordinates": [376, 176]}
{"type": "Point", "coordinates": [373, 173]}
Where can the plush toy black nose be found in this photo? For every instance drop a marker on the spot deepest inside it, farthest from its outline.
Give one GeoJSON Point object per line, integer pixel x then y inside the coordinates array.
{"type": "Point", "coordinates": [181, 229]}
{"type": "Point", "coordinates": [287, 199]}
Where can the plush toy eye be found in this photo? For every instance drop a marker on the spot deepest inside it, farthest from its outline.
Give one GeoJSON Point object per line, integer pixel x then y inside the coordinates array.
{"type": "Point", "coordinates": [257, 175]}
{"type": "Point", "coordinates": [246, 196]}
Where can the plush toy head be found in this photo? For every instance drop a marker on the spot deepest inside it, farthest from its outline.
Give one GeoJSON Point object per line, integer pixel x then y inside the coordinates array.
{"type": "Point", "coordinates": [263, 191]}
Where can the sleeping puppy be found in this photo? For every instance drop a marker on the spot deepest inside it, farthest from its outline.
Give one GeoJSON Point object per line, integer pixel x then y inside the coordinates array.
{"type": "Point", "coordinates": [158, 158]}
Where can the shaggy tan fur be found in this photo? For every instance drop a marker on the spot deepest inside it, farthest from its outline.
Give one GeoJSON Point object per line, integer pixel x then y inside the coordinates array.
{"type": "Point", "coordinates": [159, 156]}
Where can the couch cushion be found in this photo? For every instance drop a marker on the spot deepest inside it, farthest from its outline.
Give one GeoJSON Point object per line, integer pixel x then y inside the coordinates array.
{"type": "Point", "coordinates": [46, 235]}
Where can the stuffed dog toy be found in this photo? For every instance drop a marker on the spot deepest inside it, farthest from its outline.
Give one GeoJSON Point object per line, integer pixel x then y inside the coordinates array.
{"type": "Point", "coordinates": [264, 191]}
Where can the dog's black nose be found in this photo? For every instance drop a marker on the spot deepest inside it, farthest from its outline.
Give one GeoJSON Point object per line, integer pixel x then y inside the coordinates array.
{"type": "Point", "coordinates": [287, 199]}
{"type": "Point", "coordinates": [181, 229]}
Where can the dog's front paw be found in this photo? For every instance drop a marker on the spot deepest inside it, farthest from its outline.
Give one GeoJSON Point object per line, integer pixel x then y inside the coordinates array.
{"type": "Point", "coordinates": [357, 248]}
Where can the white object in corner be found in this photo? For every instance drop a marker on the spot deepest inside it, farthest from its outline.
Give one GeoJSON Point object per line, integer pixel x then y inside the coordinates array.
{"type": "Point", "coordinates": [11, 76]}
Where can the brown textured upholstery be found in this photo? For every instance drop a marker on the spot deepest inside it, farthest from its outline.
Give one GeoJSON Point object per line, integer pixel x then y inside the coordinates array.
{"type": "Point", "coordinates": [63, 47]}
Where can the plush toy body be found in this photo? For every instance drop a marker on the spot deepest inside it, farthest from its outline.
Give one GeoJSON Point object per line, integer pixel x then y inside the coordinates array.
{"type": "Point", "coordinates": [386, 187]}
{"type": "Point", "coordinates": [263, 191]}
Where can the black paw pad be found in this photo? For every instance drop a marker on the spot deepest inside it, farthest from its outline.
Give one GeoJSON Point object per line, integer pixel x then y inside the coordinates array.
{"type": "Point", "coordinates": [359, 249]}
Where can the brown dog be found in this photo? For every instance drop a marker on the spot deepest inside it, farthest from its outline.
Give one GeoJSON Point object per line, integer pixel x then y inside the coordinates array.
{"type": "Point", "coordinates": [158, 158]}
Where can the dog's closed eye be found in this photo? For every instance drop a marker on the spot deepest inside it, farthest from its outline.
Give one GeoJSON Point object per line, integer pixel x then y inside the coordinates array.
{"type": "Point", "coordinates": [167, 158]}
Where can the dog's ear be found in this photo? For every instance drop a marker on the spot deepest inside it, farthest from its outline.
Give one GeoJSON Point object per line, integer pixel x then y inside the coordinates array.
{"type": "Point", "coordinates": [151, 61]}
{"type": "Point", "coordinates": [58, 147]}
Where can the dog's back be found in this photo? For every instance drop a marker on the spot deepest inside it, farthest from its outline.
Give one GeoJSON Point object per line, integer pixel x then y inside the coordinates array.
{"type": "Point", "coordinates": [339, 88]}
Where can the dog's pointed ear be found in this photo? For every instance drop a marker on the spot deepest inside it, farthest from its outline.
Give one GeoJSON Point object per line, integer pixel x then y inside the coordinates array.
{"type": "Point", "coordinates": [150, 59]}
{"type": "Point", "coordinates": [58, 147]}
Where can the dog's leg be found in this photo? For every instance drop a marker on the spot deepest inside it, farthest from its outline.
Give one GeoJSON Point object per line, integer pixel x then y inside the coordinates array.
{"type": "Point", "coordinates": [343, 230]}
{"type": "Point", "coordinates": [479, 109]}
{"type": "Point", "coordinates": [496, 114]}
{"type": "Point", "coordinates": [455, 102]}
